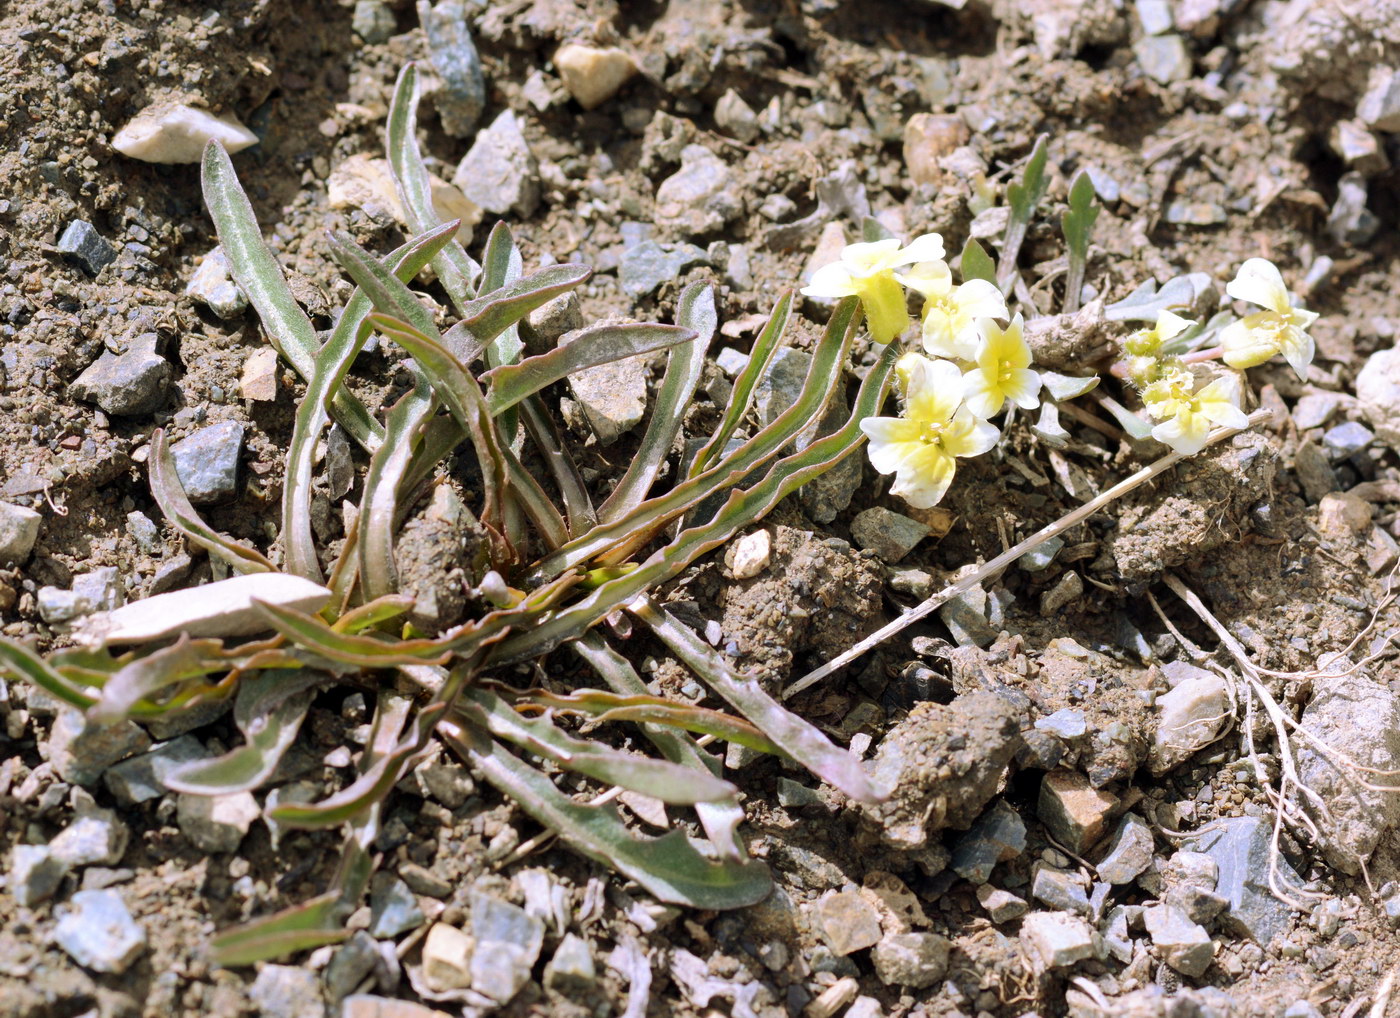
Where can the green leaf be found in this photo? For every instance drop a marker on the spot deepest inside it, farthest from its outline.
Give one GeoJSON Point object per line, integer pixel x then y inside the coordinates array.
{"type": "Point", "coordinates": [492, 313]}
{"type": "Point", "coordinates": [1077, 224]}
{"type": "Point", "coordinates": [1023, 197]}
{"type": "Point", "coordinates": [598, 344]}
{"type": "Point", "coordinates": [312, 924]}
{"type": "Point", "coordinates": [695, 311]}
{"type": "Point", "coordinates": [378, 520]}
{"type": "Point", "coordinates": [145, 676]}
{"type": "Point", "coordinates": [1063, 387]}
{"type": "Point", "coordinates": [1146, 302]}
{"type": "Point", "coordinates": [373, 613]}
{"type": "Point", "coordinates": [502, 265]}
{"type": "Point", "coordinates": [604, 707]}
{"type": "Point", "coordinates": [1049, 428]}
{"type": "Point", "coordinates": [668, 867]}
{"type": "Point", "coordinates": [1130, 422]}
{"type": "Point", "coordinates": [975, 263]}
{"type": "Point", "coordinates": [872, 230]}
{"type": "Point", "coordinates": [175, 505]}
{"type": "Point", "coordinates": [19, 661]}
{"type": "Point", "coordinates": [258, 273]}
{"type": "Point", "coordinates": [345, 648]}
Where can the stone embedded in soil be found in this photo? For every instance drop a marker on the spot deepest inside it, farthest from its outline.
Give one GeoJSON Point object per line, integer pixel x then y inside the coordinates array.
{"type": "Point", "coordinates": [34, 874]}
{"type": "Point", "coordinates": [1054, 940]}
{"type": "Point", "coordinates": [98, 932]}
{"type": "Point", "coordinates": [142, 778]}
{"type": "Point", "coordinates": [1129, 851]}
{"type": "Point", "coordinates": [847, 921]}
{"type": "Point", "coordinates": [364, 1005]}
{"type": "Point", "coordinates": [1378, 389]}
{"type": "Point", "coordinates": [259, 377]}
{"type": "Point", "coordinates": [1190, 717]}
{"type": "Point", "coordinates": [288, 991]}
{"type": "Point", "coordinates": [94, 837]}
{"type": "Point", "coordinates": [735, 117]}
{"type": "Point", "coordinates": [393, 908]}
{"type": "Point", "coordinates": [353, 962]}
{"type": "Point", "coordinates": [1184, 945]}
{"type": "Point", "coordinates": [1002, 906]}
{"type": "Point", "coordinates": [888, 534]}
{"type": "Point", "coordinates": [373, 21]}
{"type": "Point", "coordinates": [1314, 409]}
{"type": "Point", "coordinates": [127, 384]}
{"type": "Point", "coordinates": [80, 754]}
{"type": "Point", "coordinates": [446, 26]}
{"type": "Point", "coordinates": [1350, 221]}
{"type": "Point", "coordinates": [572, 969]}
{"type": "Point", "coordinates": [1347, 439]}
{"type": "Point", "coordinates": [1163, 58]}
{"type": "Point", "coordinates": [1065, 723]}
{"type": "Point", "coordinates": [965, 615]}
{"type": "Point", "coordinates": [99, 590]}
{"type": "Point", "coordinates": [915, 960]}
{"type": "Point", "coordinates": [1040, 557]}
{"type": "Point", "coordinates": [998, 835]}
{"type": "Point", "coordinates": [613, 396]}
{"type": "Point", "coordinates": [447, 956]}
{"type": "Point", "coordinates": [1344, 516]}
{"type": "Point", "coordinates": [1073, 811]}
{"type": "Point", "coordinates": [749, 555]}
{"type": "Point", "coordinates": [1195, 213]}
{"type": "Point", "coordinates": [508, 942]}
{"type": "Point", "coordinates": [698, 198]}
{"type": "Point", "coordinates": [928, 137]}
{"type": "Point", "coordinates": [87, 247]}
{"type": "Point", "coordinates": [647, 265]}
{"type": "Point", "coordinates": [1061, 890]}
{"type": "Point", "coordinates": [19, 529]}
{"type": "Point", "coordinates": [366, 183]}
{"type": "Point", "coordinates": [1358, 147]}
{"type": "Point", "coordinates": [593, 74]}
{"type": "Point", "coordinates": [176, 132]}
{"type": "Point", "coordinates": [207, 462]}
{"type": "Point", "coordinates": [827, 250]}
{"type": "Point", "coordinates": [216, 823]}
{"type": "Point", "coordinates": [1189, 880]}
{"type": "Point", "coordinates": [1155, 16]}
{"type": "Point", "coordinates": [1241, 848]}
{"type": "Point", "coordinates": [213, 286]}
{"type": "Point", "coordinates": [1314, 471]}
{"type": "Point", "coordinates": [1359, 718]}
{"type": "Point", "coordinates": [1067, 589]}
{"type": "Point", "coordinates": [551, 320]}
{"type": "Point", "coordinates": [1379, 107]}
{"type": "Point", "coordinates": [499, 172]}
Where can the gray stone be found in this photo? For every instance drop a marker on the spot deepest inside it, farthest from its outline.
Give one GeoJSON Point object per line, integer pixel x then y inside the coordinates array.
{"type": "Point", "coordinates": [142, 778]}
{"type": "Point", "coordinates": [19, 529]}
{"type": "Point", "coordinates": [1350, 221]}
{"type": "Point", "coordinates": [553, 319]}
{"type": "Point", "coordinates": [207, 462]}
{"type": "Point", "coordinates": [1066, 723]}
{"type": "Point", "coordinates": [1359, 718]}
{"type": "Point", "coordinates": [1378, 389]}
{"type": "Point", "coordinates": [1114, 931]}
{"type": "Point", "coordinates": [99, 590]}
{"type": "Point", "coordinates": [1129, 851]}
{"type": "Point", "coordinates": [424, 881]}
{"type": "Point", "coordinates": [98, 932]}
{"type": "Point", "coordinates": [287, 991]}
{"type": "Point", "coordinates": [613, 396]}
{"type": "Point", "coordinates": [1002, 906]}
{"type": "Point", "coordinates": [80, 754]}
{"type": "Point", "coordinates": [998, 835]}
{"type": "Point", "coordinates": [847, 922]}
{"type": "Point", "coordinates": [699, 197]}
{"type": "Point", "coordinates": [446, 781]}
{"type": "Point", "coordinates": [353, 962]}
{"type": "Point", "coordinates": [126, 384]}
{"type": "Point", "coordinates": [1055, 940]}
{"type": "Point", "coordinates": [1194, 213]}
{"type": "Point", "coordinates": [1067, 589]}
{"type": "Point", "coordinates": [508, 942]}
{"type": "Point", "coordinates": [647, 265]}
{"type": "Point", "coordinates": [731, 361]}
{"type": "Point", "coordinates": [1041, 556]}
{"type": "Point", "coordinates": [1379, 107]}
{"type": "Point", "coordinates": [888, 534]}
{"type": "Point", "coordinates": [1073, 811]}
{"type": "Point", "coordinates": [1184, 945]}
{"type": "Point", "coordinates": [1315, 409]}
{"type": "Point", "coordinates": [1358, 147]}
{"type": "Point", "coordinates": [1062, 891]}
{"type": "Point", "coordinates": [373, 21]}
{"type": "Point", "coordinates": [1163, 58]}
{"type": "Point", "coordinates": [1190, 718]}
{"type": "Point", "coordinates": [735, 117]}
{"type": "Point", "coordinates": [35, 873]}
{"type": "Point", "coordinates": [1314, 471]}
{"type": "Point", "coordinates": [172, 573]}
{"type": "Point", "coordinates": [447, 958]}
{"type": "Point", "coordinates": [965, 615]}
{"type": "Point", "coordinates": [212, 283]}
{"type": "Point", "coordinates": [1241, 849]}
{"type": "Point", "coordinates": [446, 25]}
{"type": "Point", "coordinates": [571, 970]}
{"type": "Point", "coordinates": [95, 837]}
{"type": "Point", "coordinates": [917, 583]}
{"type": "Point", "coordinates": [738, 272]}
{"type": "Point", "coordinates": [143, 531]}
{"type": "Point", "coordinates": [1155, 16]}
{"type": "Point", "coordinates": [393, 908]}
{"type": "Point", "coordinates": [793, 795]}
{"type": "Point", "coordinates": [499, 172]}
{"type": "Point", "coordinates": [216, 823]}
{"type": "Point", "coordinates": [1347, 439]}
{"type": "Point", "coordinates": [915, 960]}
{"type": "Point", "coordinates": [82, 243]}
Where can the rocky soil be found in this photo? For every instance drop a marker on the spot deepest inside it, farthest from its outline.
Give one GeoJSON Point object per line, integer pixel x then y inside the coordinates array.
{"type": "Point", "coordinates": [1086, 779]}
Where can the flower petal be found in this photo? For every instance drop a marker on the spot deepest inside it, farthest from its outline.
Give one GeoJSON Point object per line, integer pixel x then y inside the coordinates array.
{"type": "Point", "coordinates": [925, 248]}
{"type": "Point", "coordinates": [1297, 350]}
{"type": "Point", "coordinates": [886, 313]}
{"type": "Point", "coordinates": [980, 299]}
{"type": "Point", "coordinates": [934, 392]}
{"type": "Point", "coordinates": [925, 478]}
{"type": "Point", "coordinates": [932, 279]}
{"type": "Point", "coordinates": [1246, 346]}
{"type": "Point", "coordinates": [1219, 402]}
{"type": "Point", "coordinates": [1185, 433]}
{"type": "Point", "coordinates": [969, 436]}
{"type": "Point", "coordinates": [1260, 282]}
{"type": "Point", "coordinates": [833, 281]}
{"type": "Point", "coordinates": [1023, 388]}
{"type": "Point", "coordinates": [892, 441]}
{"type": "Point", "coordinates": [1170, 325]}
{"type": "Point", "coordinates": [981, 395]}
{"type": "Point", "coordinates": [867, 258]}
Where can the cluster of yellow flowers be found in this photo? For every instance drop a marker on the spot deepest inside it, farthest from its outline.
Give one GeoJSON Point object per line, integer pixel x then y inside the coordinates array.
{"type": "Point", "coordinates": [1169, 387]}
{"type": "Point", "coordinates": [973, 369]}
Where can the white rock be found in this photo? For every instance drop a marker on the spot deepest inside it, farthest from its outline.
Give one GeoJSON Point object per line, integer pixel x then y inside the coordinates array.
{"type": "Point", "coordinates": [98, 932]}
{"type": "Point", "coordinates": [216, 823]}
{"type": "Point", "coordinates": [213, 285]}
{"type": "Point", "coordinates": [593, 75]}
{"type": "Point", "coordinates": [1192, 715]}
{"type": "Point", "coordinates": [224, 608]}
{"type": "Point", "coordinates": [750, 554]}
{"type": "Point", "coordinates": [1056, 939]}
{"type": "Point", "coordinates": [365, 182]}
{"type": "Point", "coordinates": [447, 958]}
{"type": "Point", "coordinates": [19, 529]}
{"type": "Point", "coordinates": [1378, 389]}
{"type": "Point", "coordinates": [172, 132]}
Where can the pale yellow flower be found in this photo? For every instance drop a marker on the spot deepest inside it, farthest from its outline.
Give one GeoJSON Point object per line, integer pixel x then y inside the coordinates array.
{"type": "Point", "coordinates": [921, 447]}
{"type": "Point", "coordinates": [1148, 342]}
{"type": "Point", "coordinates": [951, 312]}
{"type": "Point", "coordinates": [1280, 329]}
{"type": "Point", "coordinates": [1002, 371]}
{"type": "Point", "coordinates": [867, 271]}
{"type": "Point", "coordinates": [1187, 414]}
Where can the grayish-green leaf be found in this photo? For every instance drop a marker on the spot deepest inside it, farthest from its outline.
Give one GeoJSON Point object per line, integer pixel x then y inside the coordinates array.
{"type": "Point", "coordinates": [1063, 387]}
{"type": "Point", "coordinates": [1023, 197]}
{"type": "Point", "coordinates": [975, 263]}
{"type": "Point", "coordinates": [1077, 224]}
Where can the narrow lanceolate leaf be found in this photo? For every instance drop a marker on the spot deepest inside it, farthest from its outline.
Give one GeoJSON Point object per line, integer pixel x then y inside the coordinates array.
{"type": "Point", "coordinates": [975, 263]}
{"type": "Point", "coordinates": [872, 230]}
{"type": "Point", "coordinates": [328, 372]}
{"type": "Point", "coordinates": [452, 264]}
{"type": "Point", "coordinates": [19, 661]}
{"type": "Point", "coordinates": [371, 614]}
{"type": "Point", "coordinates": [1130, 422]}
{"type": "Point", "coordinates": [694, 311]}
{"type": "Point", "coordinates": [502, 264]}
{"type": "Point", "coordinates": [312, 924]}
{"type": "Point", "coordinates": [145, 676]}
{"type": "Point", "coordinates": [721, 820]}
{"type": "Point", "coordinates": [800, 739]}
{"type": "Point", "coordinates": [1077, 223]}
{"type": "Point", "coordinates": [493, 312]}
{"type": "Point", "coordinates": [269, 711]}
{"type": "Point", "coordinates": [1023, 197]}
{"type": "Point", "coordinates": [598, 344]}
{"type": "Point", "coordinates": [378, 520]}
{"type": "Point", "coordinates": [310, 632]}
{"type": "Point", "coordinates": [175, 504]}
{"type": "Point", "coordinates": [744, 507]}
{"type": "Point", "coordinates": [668, 867]}
{"type": "Point", "coordinates": [603, 707]}
{"type": "Point", "coordinates": [764, 347]}
{"type": "Point", "coordinates": [661, 779]}
{"type": "Point", "coordinates": [1063, 387]}
{"type": "Point", "coordinates": [258, 273]}
{"type": "Point", "coordinates": [578, 505]}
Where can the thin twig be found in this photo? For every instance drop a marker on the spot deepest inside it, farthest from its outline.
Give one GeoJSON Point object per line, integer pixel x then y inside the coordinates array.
{"type": "Point", "coordinates": [1009, 556]}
